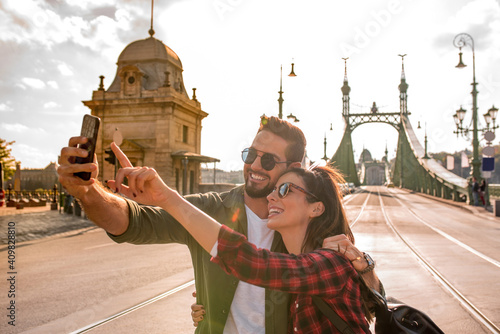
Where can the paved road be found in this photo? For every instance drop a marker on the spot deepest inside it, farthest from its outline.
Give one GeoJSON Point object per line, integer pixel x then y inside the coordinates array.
{"type": "Point", "coordinates": [402, 273]}
{"type": "Point", "coordinates": [68, 280]}
{"type": "Point", "coordinates": [71, 280]}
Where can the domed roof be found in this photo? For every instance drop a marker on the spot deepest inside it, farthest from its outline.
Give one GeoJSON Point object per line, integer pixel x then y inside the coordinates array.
{"type": "Point", "coordinates": [148, 50]}
{"type": "Point", "coordinates": [157, 63]}
{"type": "Point", "coordinates": [365, 156]}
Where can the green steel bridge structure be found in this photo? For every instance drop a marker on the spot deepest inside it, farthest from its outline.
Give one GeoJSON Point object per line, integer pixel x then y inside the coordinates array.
{"type": "Point", "coordinates": [413, 169]}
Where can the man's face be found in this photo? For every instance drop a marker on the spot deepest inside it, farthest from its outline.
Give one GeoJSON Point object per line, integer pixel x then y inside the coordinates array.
{"type": "Point", "coordinates": [258, 181]}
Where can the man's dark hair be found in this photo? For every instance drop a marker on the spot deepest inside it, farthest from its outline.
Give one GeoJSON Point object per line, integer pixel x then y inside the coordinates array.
{"type": "Point", "coordinates": [296, 148]}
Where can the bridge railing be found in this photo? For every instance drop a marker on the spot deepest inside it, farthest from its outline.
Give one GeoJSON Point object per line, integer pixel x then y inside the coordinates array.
{"type": "Point", "coordinates": [494, 190]}
{"type": "Point", "coordinates": [415, 171]}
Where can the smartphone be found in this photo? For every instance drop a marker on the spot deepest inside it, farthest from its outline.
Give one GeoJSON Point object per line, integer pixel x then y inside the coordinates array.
{"type": "Point", "coordinates": [90, 129]}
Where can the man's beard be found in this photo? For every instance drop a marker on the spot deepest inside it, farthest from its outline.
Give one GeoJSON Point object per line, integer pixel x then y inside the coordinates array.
{"type": "Point", "coordinates": [258, 193]}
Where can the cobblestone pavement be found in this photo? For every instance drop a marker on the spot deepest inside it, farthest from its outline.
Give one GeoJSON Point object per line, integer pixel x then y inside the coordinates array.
{"type": "Point", "coordinates": [36, 223]}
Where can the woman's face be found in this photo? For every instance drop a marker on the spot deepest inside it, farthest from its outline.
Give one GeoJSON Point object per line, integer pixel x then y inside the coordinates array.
{"type": "Point", "coordinates": [293, 210]}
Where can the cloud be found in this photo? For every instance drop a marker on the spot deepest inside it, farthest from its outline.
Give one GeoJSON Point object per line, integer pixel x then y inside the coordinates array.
{"type": "Point", "coordinates": [31, 157]}
{"type": "Point", "coordinates": [478, 18]}
{"type": "Point", "coordinates": [5, 107]}
{"type": "Point", "coordinates": [53, 84]}
{"type": "Point", "coordinates": [95, 24]}
{"type": "Point", "coordinates": [65, 69]}
{"type": "Point", "coordinates": [90, 4]}
{"type": "Point", "coordinates": [33, 83]}
{"type": "Point", "coordinates": [21, 128]}
{"type": "Point", "coordinates": [17, 127]}
{"type": "Point", "coordinates": [51, 104]}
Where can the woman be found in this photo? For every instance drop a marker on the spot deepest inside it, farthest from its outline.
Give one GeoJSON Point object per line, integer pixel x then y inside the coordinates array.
{"type": "Point", "coordinates": [305, 208]}
{"type": "Point", "coordinates": [482, 191]}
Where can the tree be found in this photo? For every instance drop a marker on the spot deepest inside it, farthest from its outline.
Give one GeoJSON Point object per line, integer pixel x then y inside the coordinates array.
{"type": "Point", "coordinates": [8, 161]}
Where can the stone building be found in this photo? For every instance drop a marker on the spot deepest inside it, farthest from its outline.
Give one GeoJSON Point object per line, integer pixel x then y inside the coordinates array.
{"type": "Point", "coordinates": [215, 176]}
{"type": "Point", "coordinates": [148, 105]}
{"type": "Point", "coordinates": [39, 178]}
{"type": "Point", "coordinates": [372, 172]}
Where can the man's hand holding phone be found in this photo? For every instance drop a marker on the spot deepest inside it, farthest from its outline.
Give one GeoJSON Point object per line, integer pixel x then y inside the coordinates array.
{"type": "Point", "coordinates": [77, 167]}
{"type": "Point", "coordinates": [106, 210]}
{"type": "Point", "coordinates": [68, 169]}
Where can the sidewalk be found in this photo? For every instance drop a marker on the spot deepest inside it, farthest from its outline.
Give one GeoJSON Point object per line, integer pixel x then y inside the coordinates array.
{"type": "Point", "coordinates": [33, 223]}
{"type": "Point", "coordinates": [476, 210]}
{"type": "Point", "coordinates": [5, 211]}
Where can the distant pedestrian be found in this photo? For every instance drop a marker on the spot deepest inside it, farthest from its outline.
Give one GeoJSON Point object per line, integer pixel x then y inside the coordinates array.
{"type": "Point", "coordinates": [475, 191]}
{"type": "Point", "coordinates": [482, 191]}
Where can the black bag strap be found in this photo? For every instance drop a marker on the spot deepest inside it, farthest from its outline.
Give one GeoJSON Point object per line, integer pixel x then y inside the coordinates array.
{"type": "Point", "coordinates": [330, 313]}
{"type": "Point", "coordinates": [381, 301]}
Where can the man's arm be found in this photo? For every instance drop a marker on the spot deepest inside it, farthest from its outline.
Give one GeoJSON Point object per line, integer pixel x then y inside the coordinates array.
{"type": "Point", "coordinates": [342, 244]}
{"type": "Point", "coordinates": [104, 208]}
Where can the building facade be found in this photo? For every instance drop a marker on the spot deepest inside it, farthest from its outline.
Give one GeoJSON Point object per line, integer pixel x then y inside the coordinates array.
{"type": "Point", "coordinates": [32, 179]}
{"type": "Point", "coordinates": [215, 176]}
{"type": "Point", "coordinates": [147, 105]}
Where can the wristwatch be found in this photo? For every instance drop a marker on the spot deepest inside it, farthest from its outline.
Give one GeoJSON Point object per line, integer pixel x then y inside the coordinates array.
{"type": "Point", "coordinates": [371, 264]}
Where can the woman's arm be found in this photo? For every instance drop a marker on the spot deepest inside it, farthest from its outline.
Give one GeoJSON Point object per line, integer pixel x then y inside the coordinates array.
{"type": "Point", "coordinates": [322, 272]}
{"type": "Point", "coordinates": [343, 245]}
{"type": "Point", "coordinates": [200, 225]}
{"type": "Point", "coordinates": [145, 186]}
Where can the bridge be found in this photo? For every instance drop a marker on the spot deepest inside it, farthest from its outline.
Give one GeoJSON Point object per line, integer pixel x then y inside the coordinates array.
{"type": "Point", "coordinates": [413, 169]}
{"type": "Point", "coordinates": [147, 289]}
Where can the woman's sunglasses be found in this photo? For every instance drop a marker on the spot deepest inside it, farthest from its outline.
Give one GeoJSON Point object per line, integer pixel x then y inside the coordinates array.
{"type": "Point", "coordinates": [266, 159]}
{"type": "Point", "coordinates": [284, 189]}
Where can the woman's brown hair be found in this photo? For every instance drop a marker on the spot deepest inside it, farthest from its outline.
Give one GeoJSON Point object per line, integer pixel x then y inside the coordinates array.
{"type": "Point", "coordinates": [324, 183]}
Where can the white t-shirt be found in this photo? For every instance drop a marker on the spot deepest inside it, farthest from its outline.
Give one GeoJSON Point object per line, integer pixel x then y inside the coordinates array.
{"type": "Point", "coordinates": [247, 313]}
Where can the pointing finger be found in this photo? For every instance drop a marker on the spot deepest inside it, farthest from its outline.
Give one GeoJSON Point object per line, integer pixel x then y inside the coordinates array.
{"type": "Point", "coordinates": [122, 158]}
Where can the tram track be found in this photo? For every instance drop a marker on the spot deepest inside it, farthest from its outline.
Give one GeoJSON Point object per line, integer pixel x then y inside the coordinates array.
{"type": "Point", "coordinates": [363, 206]}
{"type": "Point", "coordinates": [446, 284]}
{"type": "Point", "coordinates": [131, 309]}
{"type": "Point", "coordinates": [446, 235]}
{"type": "Point", "coordinates": [473, 310]}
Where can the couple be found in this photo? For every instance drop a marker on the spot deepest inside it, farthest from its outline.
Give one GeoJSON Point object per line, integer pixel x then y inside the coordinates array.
{"type": "Point", "coordinates": [305, 207]}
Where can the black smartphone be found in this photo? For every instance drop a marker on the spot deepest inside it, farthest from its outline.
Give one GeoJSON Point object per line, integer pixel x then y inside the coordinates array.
{"type": "Point", "coordinates": [90, 129]}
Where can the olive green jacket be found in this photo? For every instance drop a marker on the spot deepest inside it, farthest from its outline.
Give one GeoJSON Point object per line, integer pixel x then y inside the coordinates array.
{"type": "Point", "coordinates": [214, 288]}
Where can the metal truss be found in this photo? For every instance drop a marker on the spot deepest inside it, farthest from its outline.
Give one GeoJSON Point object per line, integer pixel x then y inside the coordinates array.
{"type": "Point", "coordinates": [355, 120]}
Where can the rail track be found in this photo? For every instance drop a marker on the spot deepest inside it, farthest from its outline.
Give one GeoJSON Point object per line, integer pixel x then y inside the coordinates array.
{"type": "Point", "coordinates": [470, 307]}
{"type": "Point", "coordinates": [440, 277]}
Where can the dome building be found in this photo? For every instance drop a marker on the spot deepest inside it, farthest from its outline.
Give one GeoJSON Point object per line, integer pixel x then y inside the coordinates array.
{"type": "Point", "coordinates": [148, 106]}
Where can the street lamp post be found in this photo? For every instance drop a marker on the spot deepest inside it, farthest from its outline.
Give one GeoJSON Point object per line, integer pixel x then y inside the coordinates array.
{"type": "Point", "coordinates": [280, 99]}
{"type": "Point", "coordinates": [462, 40]}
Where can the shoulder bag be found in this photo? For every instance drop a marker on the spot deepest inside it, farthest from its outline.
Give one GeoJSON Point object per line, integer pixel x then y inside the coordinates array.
{"type": "Point", "coordinates": [389, 318]}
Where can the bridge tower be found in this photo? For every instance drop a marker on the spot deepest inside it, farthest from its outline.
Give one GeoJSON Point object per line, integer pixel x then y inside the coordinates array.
{"type": "Point", "coordinates": [343, 159]}
{"type": "Point", "coordinates": [405, 166]}
{"type": "Point", "coordinates": [413, 168]}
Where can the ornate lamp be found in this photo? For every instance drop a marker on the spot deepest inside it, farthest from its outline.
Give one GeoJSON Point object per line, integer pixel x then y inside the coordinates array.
{"type": "Point", "coordinates": [460, 62]}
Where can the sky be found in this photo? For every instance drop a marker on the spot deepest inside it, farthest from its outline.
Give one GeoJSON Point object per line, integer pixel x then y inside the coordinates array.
{"type": "Point", "coordinates": [53, 52]}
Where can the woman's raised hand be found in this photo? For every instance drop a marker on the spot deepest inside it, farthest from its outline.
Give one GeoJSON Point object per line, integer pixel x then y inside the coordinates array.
{"type": "Point", "coordinates": [343, 245]}
{"type": "Point", "coordinates": [144, 184]}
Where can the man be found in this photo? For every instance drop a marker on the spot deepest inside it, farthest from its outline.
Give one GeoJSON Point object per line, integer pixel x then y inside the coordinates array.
{"type": "Point", "coordinates": [475, 191]}
{"type": "Point", "coordinates": [231, 306]}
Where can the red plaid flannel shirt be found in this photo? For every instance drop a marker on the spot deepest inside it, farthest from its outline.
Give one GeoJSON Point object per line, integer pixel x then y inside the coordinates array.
{"type": "Point", "coordinates": [322, 272]}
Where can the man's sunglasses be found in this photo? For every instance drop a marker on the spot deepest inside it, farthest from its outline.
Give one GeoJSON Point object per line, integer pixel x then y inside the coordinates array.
{"type": "Point", "coordinates": [267, 160]}
{"type": "Point", "coordinates": [284, 189]}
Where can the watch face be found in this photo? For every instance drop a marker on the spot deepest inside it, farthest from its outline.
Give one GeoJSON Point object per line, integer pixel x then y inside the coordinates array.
{"type": "Point", "coordinates": [369, 260]}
